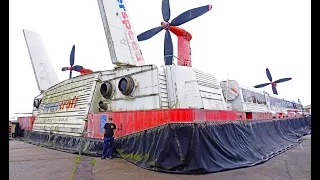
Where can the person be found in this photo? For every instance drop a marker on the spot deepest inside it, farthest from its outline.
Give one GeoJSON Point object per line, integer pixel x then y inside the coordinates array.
{"type": "Point", "coordinates": [108, 140]}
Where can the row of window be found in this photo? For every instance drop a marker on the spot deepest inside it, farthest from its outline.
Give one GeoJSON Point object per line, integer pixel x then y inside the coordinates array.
{"type": "Point", "coordinates": [254, 97]}
{"type": "Point", "coordinates": [299, 106]}
{"type": "Point", "coordinates": [280, 103]}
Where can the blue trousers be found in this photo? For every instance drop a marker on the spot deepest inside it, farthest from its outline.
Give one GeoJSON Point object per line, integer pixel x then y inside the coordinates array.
{"type": "Point", "coordinates": [107, 146]}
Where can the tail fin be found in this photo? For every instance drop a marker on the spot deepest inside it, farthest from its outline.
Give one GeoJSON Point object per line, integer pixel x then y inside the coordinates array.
{"type": "Point", "coordinates": [41, 64]}
{"type": "Point", "coordinates": [122, 42]}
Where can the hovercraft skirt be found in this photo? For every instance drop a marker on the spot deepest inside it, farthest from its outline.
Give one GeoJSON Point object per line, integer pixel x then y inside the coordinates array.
{"type": "Point", "coordinates": [192, 147]}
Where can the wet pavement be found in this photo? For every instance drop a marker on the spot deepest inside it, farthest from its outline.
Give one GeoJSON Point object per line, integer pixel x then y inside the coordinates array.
{"type": "Point", "coordinates": [29, 162]}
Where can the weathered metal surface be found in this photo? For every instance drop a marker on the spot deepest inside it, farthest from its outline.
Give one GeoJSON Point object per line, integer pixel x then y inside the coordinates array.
{"type": "Point", "coordinates": [146, 91]}
{"type": "Point", "coordinates": [65, 106]}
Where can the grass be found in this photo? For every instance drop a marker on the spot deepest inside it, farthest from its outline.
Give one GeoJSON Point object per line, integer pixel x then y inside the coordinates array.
{"type": "Point", "coordinates": [92, 162]}
{"type": "Point", "coordinates": [75, 167]}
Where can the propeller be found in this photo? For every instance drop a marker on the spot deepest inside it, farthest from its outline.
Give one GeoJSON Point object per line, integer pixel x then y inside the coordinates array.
{"type": "Point", "coordinates": [274, 84]}
{"type": "Point", "coordinates": [177, 21]}
{"type": "Point", "coordinates": [72, 67]}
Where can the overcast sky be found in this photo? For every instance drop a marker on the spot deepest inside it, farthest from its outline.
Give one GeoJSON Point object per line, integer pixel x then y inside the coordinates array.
{"type": "Point", "coordinates": [238, 37]}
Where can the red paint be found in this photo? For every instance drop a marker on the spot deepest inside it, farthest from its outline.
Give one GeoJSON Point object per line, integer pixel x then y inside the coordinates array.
{"type": "Point", "coordinates": [180, 32]}
{"type": "Point", "coordinates": [85, 71]}
{"type": "Point", "coordinates": [241, 115]}
{"type": "Point", "coordinates": [129, 122]}
{"type": "Point", "coordinates": [184, 50]}
{"type": "Point", "coordinates": [295, 113]}
{"type": "Point", "coordinates": [26, 123]}
{"type": "Point", "coordinates": [256, 115]}
{"type": "Point", "coordinates": [68, 103]}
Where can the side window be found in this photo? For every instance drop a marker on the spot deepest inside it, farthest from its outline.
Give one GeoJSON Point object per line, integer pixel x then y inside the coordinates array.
{"type": "Point", "coordinates": [249, 97]}
{"type": "Point", "coordinates": [272, 101]}
{"type": "Point", "coordinates": [291, 105]}
{"type": "Point", "coordinates": [263, 100]}
{"type": "Point", "coordinates": [258, 98]}
{"type": "Point", "coordinates": [254, 98]}
{"type": "Point", "coordinates": [244, 95]}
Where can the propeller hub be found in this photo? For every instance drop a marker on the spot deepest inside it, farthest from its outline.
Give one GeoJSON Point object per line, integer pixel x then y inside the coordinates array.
{"type": "Point", "coordinates": [274, 84]}
{"type": "Point", "coordinates": [165, 25]}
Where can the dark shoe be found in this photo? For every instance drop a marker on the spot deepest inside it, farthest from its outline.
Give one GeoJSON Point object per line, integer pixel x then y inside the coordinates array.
{"type": "Point", "coordinates": [103, 157]}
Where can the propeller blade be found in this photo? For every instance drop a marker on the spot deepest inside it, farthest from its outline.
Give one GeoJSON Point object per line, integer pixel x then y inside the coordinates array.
{"type": "Point", "coordinates": [72, 55]}
{"type": "Point", "coordinates": [149, 34]}
{"type": "Point", "coordinates": [166, 10]}
{"type": "Point", "coordinates": [190, 14]}
{"type": "Point", "coordinates": [274, 90]}
{"type": "Point", "coordinates": [64, 69]}
{"type": "Point", "coordinates": [261, 85]}
{"type": "Point", "coordinates": [282, 80]}
{"type": "Point", "coordinates": [168, 49]}
{"type": "Point", "coordinates": [77, 68]}
{"type": "Point", "coordinates": [269, 75]}
{"type": "Point", "coordinates": [70, 75]}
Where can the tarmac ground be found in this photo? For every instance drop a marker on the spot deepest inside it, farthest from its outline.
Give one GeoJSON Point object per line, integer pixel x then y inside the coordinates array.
{"type": "Point", "coordinates": [30, 162]}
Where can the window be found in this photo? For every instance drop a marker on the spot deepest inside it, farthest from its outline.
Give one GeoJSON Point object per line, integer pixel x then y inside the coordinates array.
{"type": "Point", "coordinates": [289, 105]}
{"type": "Point", "coordinates": [244, 95]}
{"type": "Point", "coordinates": [273, 101]}
{"type": "Point", "coordinates": [249, 97]}
{"type": "Point", "coordinates": [254, 98]}
{"type": "Point", "coordinates": [278, 102]}
{"type": "Point", "coordinates": [270, 100]}
{"type": "Point", "coordinates": [259, 98]}
{"type": "Point", "coordinates": [282, 103]}
{"type": "Point", "coordinates": [263, 99]}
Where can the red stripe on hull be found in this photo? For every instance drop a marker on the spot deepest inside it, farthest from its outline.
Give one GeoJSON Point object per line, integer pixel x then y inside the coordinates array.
{"type": "Point", "coordinates": [129, 122]}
